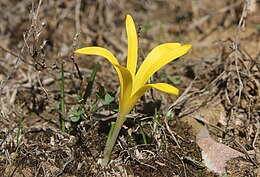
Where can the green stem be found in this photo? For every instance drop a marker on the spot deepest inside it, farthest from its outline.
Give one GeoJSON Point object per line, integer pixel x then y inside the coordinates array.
{"type": "Point", "coordinates": [63, 110]}
{"type": "Point", "coordinates": [115, 129]}
{"type": "Point", "coordinates": [142, 133]}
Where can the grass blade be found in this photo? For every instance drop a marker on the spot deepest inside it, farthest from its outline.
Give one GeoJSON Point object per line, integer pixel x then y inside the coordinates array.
{"type": "Point", "coordinates": [142, 133]}
{"type": "Point", "coordinates": [89, 87]}
{"type": "Point", "coordinates": [62, 104]}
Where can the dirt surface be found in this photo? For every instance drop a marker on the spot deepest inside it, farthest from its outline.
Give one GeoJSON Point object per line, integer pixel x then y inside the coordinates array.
{"type": "Point", "coordinates": [218, 79]}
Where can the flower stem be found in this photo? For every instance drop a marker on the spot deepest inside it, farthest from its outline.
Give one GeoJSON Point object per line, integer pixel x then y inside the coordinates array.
{"type": "Point", "coordinates": [112, 136]}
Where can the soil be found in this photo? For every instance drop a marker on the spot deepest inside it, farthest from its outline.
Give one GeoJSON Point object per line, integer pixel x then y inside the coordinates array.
{"type": "Point", "coordinates": [218, 80]}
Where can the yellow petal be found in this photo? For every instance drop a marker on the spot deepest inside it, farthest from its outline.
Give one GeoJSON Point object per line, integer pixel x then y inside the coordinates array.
{"type": "Point", "coordinates": [156, 53]}
{"type": "Point", "coordinates": [141, 91]}
{"type": "Point", "coordinates": [124, 75]}
{"type": "Point", "coordinates": [167, 88]}
{"type": "Point", "coordinates": [132, 45]}
{"type": "Point", "coordinates": [100, 51]}
{"type": "Point", "coordinates": [160, 56]}
{"type": "Point", "coordinates": [126, 83]}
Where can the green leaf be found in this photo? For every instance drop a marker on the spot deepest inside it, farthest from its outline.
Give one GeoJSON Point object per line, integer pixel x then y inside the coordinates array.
{"type": "Point", "coordinates": [109, 98]}
{"type": "Point", "coordinates": [75, 118]}
{"type": "Point", "coordinates": [78, 112]}
{"type": "Point", "coordinates": [175, 80]}
{"type": "Point", "coordinates": [78, 97]}
{"type": "Point", "coordinates": [101, 92]}
{"type": "Point", "coordinates": [258, 27]}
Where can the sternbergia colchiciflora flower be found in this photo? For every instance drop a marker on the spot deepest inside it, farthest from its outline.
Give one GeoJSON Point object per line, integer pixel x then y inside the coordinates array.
{"type": "Point", "coordinates": [133, 83]}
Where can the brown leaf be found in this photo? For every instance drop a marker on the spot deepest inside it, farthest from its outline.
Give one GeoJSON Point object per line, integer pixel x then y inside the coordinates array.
{"type": "Point", "coordinates": [214, 154]}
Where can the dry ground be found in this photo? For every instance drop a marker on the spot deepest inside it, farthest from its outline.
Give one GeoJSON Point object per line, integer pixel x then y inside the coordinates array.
{"type": "Point", "coordinates": [218, 79]}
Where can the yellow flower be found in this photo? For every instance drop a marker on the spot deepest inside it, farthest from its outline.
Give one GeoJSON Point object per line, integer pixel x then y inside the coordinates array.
{"type": "Point", "coordinates": [133, 84]}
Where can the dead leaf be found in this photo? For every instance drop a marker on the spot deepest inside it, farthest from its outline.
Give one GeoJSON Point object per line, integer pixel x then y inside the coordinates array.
{"type": "Point", "coordinates": [214, 154]}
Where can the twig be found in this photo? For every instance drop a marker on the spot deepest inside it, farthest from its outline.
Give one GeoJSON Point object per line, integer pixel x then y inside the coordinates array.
{"type": "Point", "coordinates": [74, 45]}
{"type": "Point", "coordinates": [77, 15]}
{"type": "Point", "coordinates": [4, 82]}
{"type": "Point", "coordinates": [245, 152]}
{"type": "Point", "coordinates": [70, 159]}
{"type": "Point", "coordinates": [41, 86]}
{"type": "Point", "coordinates": [256, 134]}
{"type": "Point", "coordinates": [181, 159]}
{"type": "Point", "coordinates": [183, 96]}
{"type": "Point", "coordinates": [199, 118]}
{"type": "Point", "coordinates": [231, 6]}
{"type": "Point", "coordinates": [171, 132]}
{"type": "Point", "coordinates": [240, 25]}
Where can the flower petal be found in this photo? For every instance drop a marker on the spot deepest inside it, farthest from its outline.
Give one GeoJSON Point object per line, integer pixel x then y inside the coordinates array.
{"type": "Point", "coordinates": [159, 56]}
{"type": "Point", "coordinates": [126, 83]}
{"type": "Point", "coordinates": [132, 45]}
{"type": "Point", "coordinates": [124, 75]}
{"type": "Point", "coordinates": [100, 51]}
{"type": "Point", "coordinates": [167, 88]}
{"type": "Point", "coordinates": [156, 53]}
{"type": "Point", "coordinates": [140, 92]}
